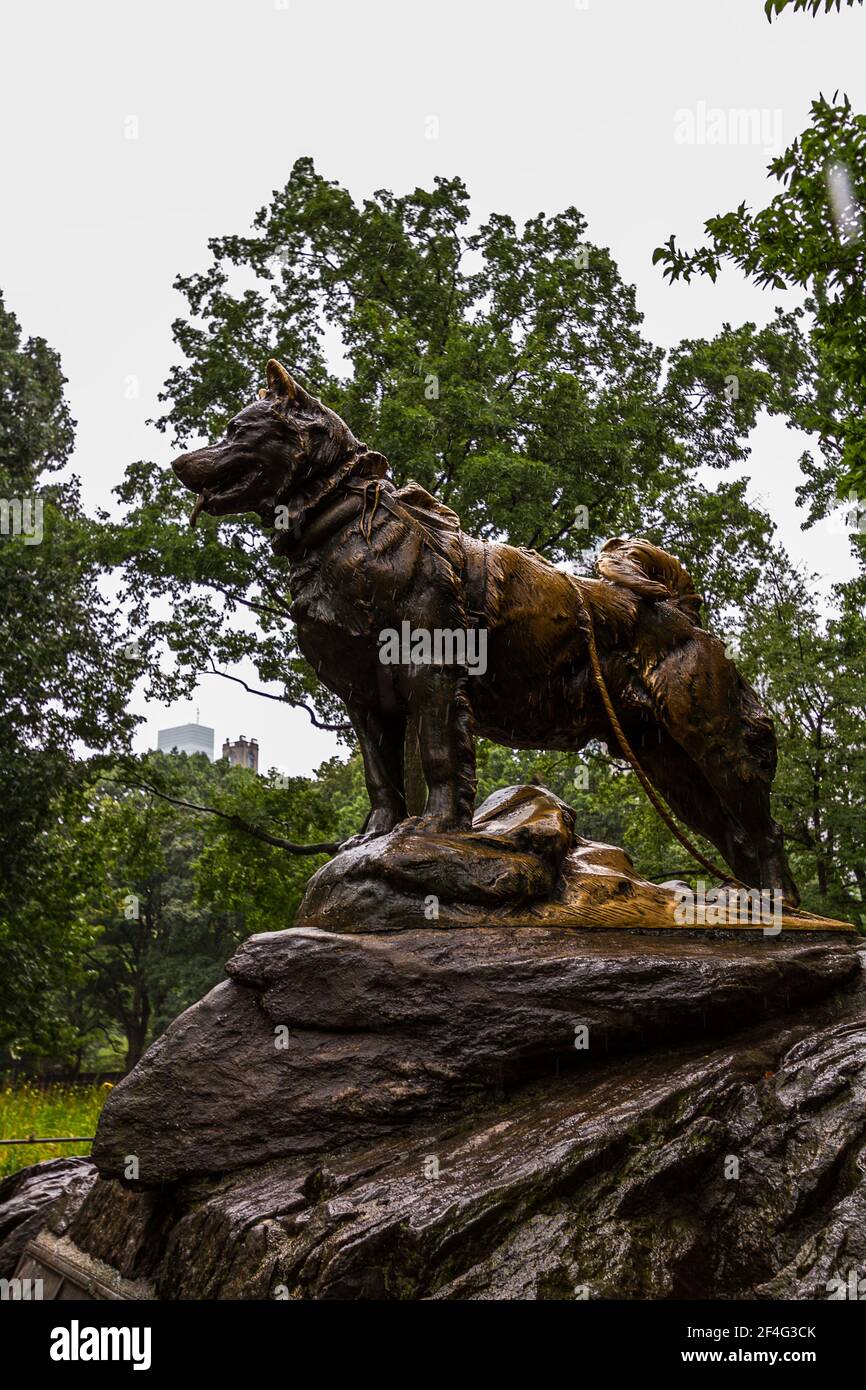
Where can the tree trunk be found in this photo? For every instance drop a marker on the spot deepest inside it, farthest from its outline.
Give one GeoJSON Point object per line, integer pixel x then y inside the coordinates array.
{"type": "Point", "coordinates": [136, 1031]}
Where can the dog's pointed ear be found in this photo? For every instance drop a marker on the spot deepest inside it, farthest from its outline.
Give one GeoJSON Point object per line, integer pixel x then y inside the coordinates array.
{"type": "Point", "coordinates": [279, 380]}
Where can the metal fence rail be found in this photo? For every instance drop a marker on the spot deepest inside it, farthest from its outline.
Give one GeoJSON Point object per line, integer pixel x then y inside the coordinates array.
{"type": "Point", "coordinates": [68, 1139]}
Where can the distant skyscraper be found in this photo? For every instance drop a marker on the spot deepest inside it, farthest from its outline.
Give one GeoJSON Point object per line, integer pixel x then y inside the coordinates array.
{"type": "Point", "coordinates": [242, 753]}
{"type": "Point", "coordinates": [186, 738]}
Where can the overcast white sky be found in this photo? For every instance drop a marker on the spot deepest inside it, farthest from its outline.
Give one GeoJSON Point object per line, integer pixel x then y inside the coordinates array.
{"type": "Point", "coordinates": [539, 105]}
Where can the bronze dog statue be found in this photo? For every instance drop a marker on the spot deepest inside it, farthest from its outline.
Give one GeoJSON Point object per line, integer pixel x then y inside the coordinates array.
{"type": "Point", "coordinates": [369, 563]}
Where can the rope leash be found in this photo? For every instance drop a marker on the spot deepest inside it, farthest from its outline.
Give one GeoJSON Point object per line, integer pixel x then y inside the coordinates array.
{"type": "Point", "coordinates": [629, 754]}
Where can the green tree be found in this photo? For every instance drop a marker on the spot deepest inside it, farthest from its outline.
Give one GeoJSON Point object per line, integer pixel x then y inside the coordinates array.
{"type": "Point", "coordinates": [154, 947]}
{"type": "Point", "coordinates": [810, 674]}
{"type": "Point", "coordinates": [261, 884]}
{"type": "Point", "coordinates": [811, 237]}
{"type": "Point", "coordinates": [174, 861]}
{"type": "Point", "coordinates": [63, 681]}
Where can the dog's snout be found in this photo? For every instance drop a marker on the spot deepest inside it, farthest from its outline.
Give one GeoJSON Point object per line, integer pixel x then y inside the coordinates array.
{"type": "Point", "coordinates": [195, 470]}
{"type": "Point", "coordinates": [188, 468]}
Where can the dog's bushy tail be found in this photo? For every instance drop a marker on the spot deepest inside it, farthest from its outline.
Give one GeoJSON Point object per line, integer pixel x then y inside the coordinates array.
{"type": "Point", "coordinates": [648, 570]}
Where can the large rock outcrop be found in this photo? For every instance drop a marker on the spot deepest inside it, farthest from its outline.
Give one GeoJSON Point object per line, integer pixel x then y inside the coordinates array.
{"type": "Point", "coordinates": [29, 1196]}
{"type": "Point", "coordinates": [501, 1098]}
{"type": "Point", "coordinates": [735, 1169]}
{"type": "Point", "coordinates": [318, 1040]}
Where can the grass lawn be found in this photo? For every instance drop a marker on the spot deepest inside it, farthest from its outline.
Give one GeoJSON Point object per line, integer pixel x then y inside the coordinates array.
{"type": "Point", "coordinates": [56, 1108]}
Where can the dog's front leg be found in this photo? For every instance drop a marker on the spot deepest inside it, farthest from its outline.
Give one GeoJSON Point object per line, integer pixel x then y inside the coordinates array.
{"type": "Point", "coordinates": [381, 738]}
{"type": "Point", "coordinates": [443, 715]}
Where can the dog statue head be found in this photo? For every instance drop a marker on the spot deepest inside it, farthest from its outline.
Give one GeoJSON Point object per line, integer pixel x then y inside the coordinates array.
{"type": "Point", "coordinates": [281, 455]}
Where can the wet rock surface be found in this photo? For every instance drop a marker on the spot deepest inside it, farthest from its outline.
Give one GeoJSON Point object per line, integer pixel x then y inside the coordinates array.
{"type": "Point", "coordinates": [481, 1113]}
{"type": "Point", "coordinates": [30, 1195]}
{"type": "Point", "coordinates": [319, 1041]}
{"type": "Point", "coordinates": [735, 1169]}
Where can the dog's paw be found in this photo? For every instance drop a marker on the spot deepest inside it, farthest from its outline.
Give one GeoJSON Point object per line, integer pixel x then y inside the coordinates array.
{"type": "Point", "coordinates": [431, 825]}
{"type": "Point", "coordinates": [362, 838]}
{"type": "Point", "coordinates": [379, 823]}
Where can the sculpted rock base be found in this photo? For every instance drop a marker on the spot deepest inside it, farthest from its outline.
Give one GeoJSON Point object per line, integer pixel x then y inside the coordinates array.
{"type": "Point", "coordinates": [521, 865]}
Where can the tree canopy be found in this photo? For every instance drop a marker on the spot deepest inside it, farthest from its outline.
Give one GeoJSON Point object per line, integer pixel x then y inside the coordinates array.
{"type": "Point", "coordinates": [809, 237]}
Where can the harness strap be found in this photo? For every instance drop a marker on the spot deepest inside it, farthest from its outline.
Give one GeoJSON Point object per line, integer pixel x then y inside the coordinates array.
{"type": "Point", "coordinates": [383, 498]}
{"type": "Point", "coordinates": [474, 578]}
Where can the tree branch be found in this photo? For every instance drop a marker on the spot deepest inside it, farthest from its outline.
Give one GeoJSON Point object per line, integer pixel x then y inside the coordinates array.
{"type": "Point", "coordinates": [281, 699]}
{"type": "Point", "coordinates": [237, 822]}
